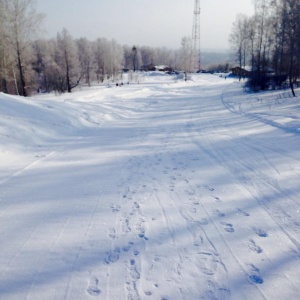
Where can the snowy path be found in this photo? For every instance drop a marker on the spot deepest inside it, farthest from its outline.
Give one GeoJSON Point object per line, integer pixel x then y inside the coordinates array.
{"type": "Point", "coordinates": [174, 195]}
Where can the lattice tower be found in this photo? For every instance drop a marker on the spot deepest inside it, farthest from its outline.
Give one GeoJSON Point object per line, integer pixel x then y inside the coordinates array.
{"type": "Point", "coordinates": [196, 37]}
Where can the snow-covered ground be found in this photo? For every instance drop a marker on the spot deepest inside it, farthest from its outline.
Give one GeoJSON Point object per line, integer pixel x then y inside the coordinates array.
{"type": "Point", "coordinates": [160, 190]}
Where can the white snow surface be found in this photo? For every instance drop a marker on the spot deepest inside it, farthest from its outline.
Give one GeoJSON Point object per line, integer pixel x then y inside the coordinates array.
{"type": "Point", "coordinates": [160, 190]}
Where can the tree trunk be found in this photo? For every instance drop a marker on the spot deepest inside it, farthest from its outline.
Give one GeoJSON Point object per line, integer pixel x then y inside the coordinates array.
{"type": "Point", "coordinates": [21, 71]}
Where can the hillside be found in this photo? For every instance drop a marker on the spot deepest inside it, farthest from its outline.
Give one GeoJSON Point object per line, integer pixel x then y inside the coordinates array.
{"type": "Point", "coordinates": [160, 190]}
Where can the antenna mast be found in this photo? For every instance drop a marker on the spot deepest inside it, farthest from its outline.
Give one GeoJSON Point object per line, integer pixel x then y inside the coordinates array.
{"type": "Point", "coordinates": [196, 37]}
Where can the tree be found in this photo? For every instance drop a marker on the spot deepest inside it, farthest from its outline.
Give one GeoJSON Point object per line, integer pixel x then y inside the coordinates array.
{"type": "Point", "coordinates": [146, 56]}
{"type": "Point", "coordinates": [272, 39]}
{"type": "Point", "coordinates": [135, 58]}
{"type": "Point", "coordinates": [114, 59]}
{"type": "Point", "coordinates": [67, 59]}
{"type": "Point", "coordinates": [48, 72]}
{"type": "Point", "coordinates": [3, 50]}
{"type": "Point", "coordinates": [186, 55]}
{"type": "Point", "coordinates": [22, 24]}
{"type": "Point", "coordinates": [263, 42]}
{"type": "Point", "coordinates": [109, 58]}
{"type": "Point", "coordinates": [86, 59]}
{"type": "Point", "coordinates": [239, 40]}
{"type": "Point", "coordinates": [292, 18]}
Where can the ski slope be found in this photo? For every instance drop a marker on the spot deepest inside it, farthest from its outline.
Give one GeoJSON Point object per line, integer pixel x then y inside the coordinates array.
{"type": "Point", "coordinates": [159, 190]}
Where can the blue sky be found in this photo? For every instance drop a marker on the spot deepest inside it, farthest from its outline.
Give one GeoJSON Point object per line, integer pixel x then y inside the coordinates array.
{"type": "Point", "coordinates": [155, 23]}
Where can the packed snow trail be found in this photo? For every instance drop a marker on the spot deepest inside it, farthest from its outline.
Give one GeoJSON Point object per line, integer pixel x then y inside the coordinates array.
{"type": "Point", "coordinates": [168, 190]}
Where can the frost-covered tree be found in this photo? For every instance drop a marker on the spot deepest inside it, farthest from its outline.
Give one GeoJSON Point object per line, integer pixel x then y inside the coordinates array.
{"type": "Point", "coordinates": [135, 58]}
{"type": "Point", "coordinates": [100, 49]}
{"type": "Point", "coordinates": [109, 59]}
{"type": "Point", "coordinates": [186, 55]}
{"type": "Point", "coordinates": [67, 59]}
{"type": "Point", "coordinates": [86, 59]}
{"type": "Point", "coordinates": [21, 23]}
{"type": "Point", "coordinates": [147, 56]}
{"type": "Point", "coordinates": [115, 59]}
{"type": "Point", "coordinates": [48, 72]}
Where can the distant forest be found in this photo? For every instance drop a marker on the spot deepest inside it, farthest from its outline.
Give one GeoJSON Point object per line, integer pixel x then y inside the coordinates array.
{"type": "Point", "coordinates": [29, 63]}
{"type": "Point", "coordinates": [268, 43]}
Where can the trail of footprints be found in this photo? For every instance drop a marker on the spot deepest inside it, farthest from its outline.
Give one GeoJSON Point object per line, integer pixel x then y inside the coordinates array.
{"type": "Point", "coordinates": [133, 222]}
{"type": "Point", "coordinates": [253, 273]}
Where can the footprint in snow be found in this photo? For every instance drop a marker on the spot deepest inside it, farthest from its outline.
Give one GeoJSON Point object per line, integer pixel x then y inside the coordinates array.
{"type": "Point", "coordinates": [203, 222]}
{"type": "Point", "coordinates": [209, 188]}
{"type": "Point", "coordinates": [93, 289]}
{"type": "Point", "coordinates": [112, 233]}
{"type": "Point", "coordinates": [260, 232]}
{"type": "Point", "coordinates": [133, 271]}
{"type": "Point", "coordinates": [142, 236]}
{"type": "Point", "coordinates": [112, 257]}
{"type": "Point", "coordinates": [228, 227]}
{"type": "Point", "coordinates": [243, 212]}
{"type": "Point", "coordinates": [115, 207]}
{"type": "Point", "coordinates": [198, 241]}
{"type": "Point", "coordinates": [253, 247]}
{"type": "Point", "coordinates": [254, 275]}
{"type": "Point", "coordinates": [193, 210]}
{"type": "Point", "coordinates": [190, 192]}
{"type": "Point", "coordinates": [218, 213]}
{"type": "Point", "coordinates": [217, 199]}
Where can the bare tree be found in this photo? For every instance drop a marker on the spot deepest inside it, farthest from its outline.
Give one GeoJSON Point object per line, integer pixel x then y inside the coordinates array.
{"type": "Point", "coordinates": [239, 40]}
{"type": "Point", "coordinates": [292, 19]}
{"type": "Point", "coordinates": [263, 41]}
{"type": "Point", "coordinates": [3, 50]}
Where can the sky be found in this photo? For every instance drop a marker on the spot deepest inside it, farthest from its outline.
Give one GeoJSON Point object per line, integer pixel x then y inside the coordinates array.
{"type": "Point", "coordinates": [154, 23]}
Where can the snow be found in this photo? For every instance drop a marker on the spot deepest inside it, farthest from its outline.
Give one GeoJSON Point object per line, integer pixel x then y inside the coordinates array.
{"type": "Point", "coordinates": [159, 190]}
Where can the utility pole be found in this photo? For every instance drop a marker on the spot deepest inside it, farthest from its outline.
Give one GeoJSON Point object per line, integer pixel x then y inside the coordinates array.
{"type": "Point", "coordinates": [196, 63]}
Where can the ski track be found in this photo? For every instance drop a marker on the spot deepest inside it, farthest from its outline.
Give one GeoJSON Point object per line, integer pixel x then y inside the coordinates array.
{"type": "Point", "coordinates": [173, 205]}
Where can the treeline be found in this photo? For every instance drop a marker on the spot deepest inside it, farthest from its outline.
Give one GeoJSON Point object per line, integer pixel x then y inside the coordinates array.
{"type": "Point", "coordinates": [61, 64]}
{"type": "Point", "coordinates": [269, 43]}
{"type": "Point", "coordinates": [29, 64]}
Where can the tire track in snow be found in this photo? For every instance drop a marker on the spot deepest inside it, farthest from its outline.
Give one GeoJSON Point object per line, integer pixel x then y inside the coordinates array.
{"type": "Point", "coordinates": [168, 197]}
{"type": "Point", "coordinates": [227, 227]}
{"type": "Point", "coordinates": [259, 184]}
{"type": "Point", "coordinates": [262, 181]}
{"type": "Point", "coordinates": [44, 157]}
